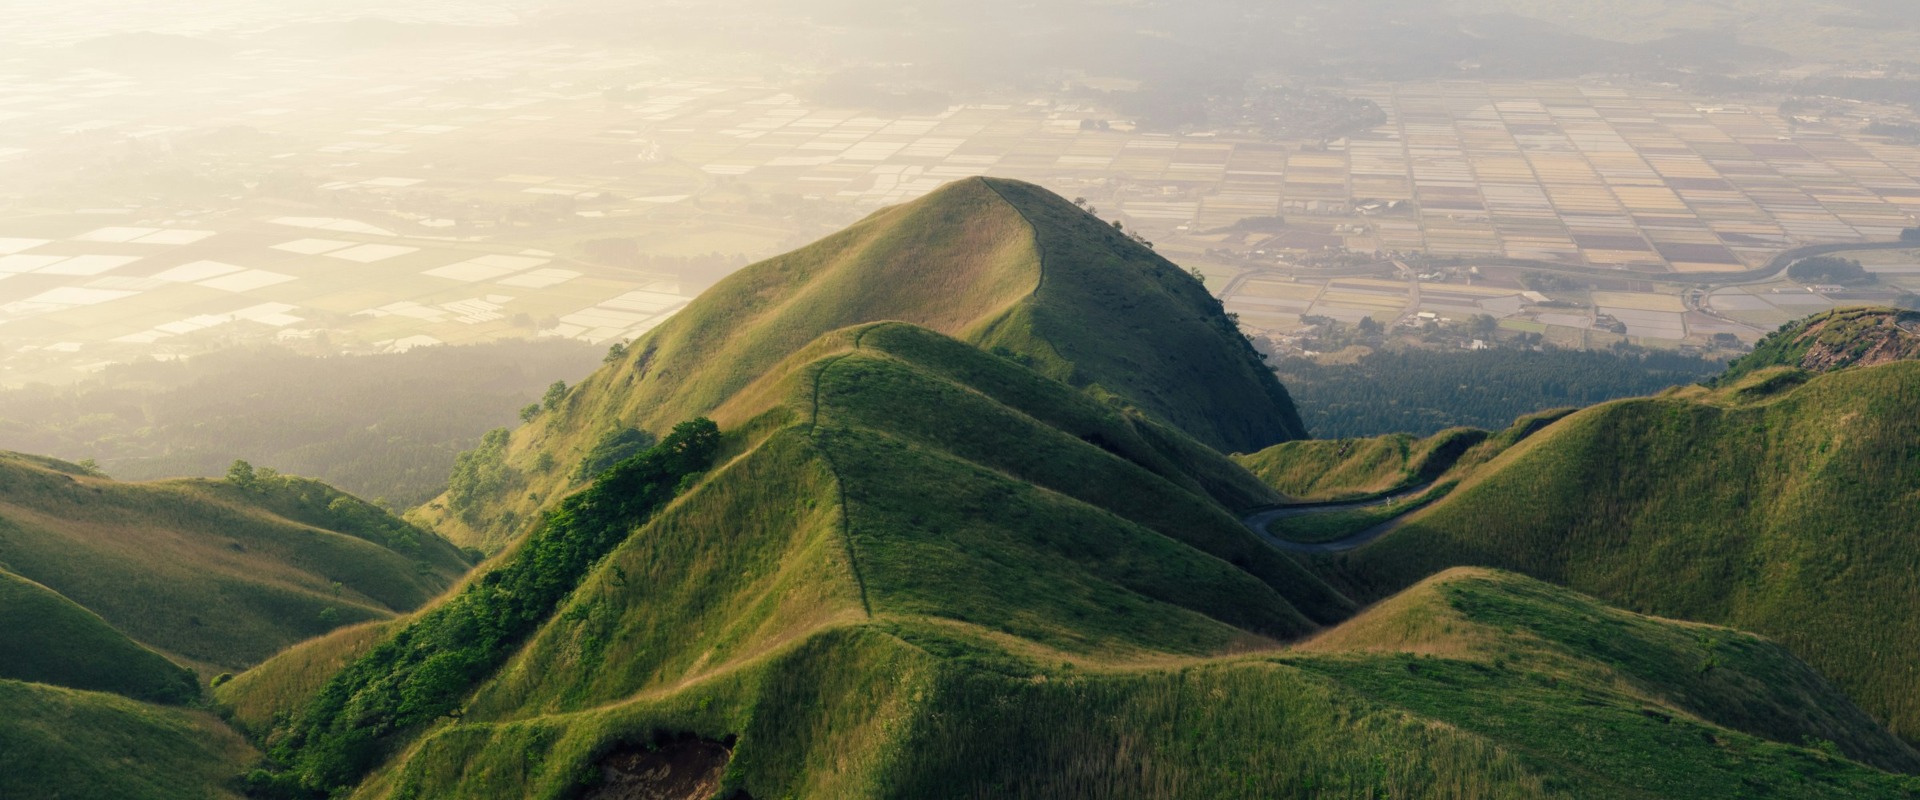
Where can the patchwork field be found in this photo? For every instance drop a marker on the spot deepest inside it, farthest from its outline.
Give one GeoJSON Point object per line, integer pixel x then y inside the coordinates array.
{"type": "Point", "coordinates": [458, 193]}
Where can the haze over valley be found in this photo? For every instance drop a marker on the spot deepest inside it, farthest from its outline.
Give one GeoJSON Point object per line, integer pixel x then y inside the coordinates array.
{"type": "Point", "coordinates": [599, 400]}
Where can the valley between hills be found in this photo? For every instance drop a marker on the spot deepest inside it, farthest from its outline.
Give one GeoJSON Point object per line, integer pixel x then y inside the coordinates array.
{"type": "Point", "coordinates": [983, 498]}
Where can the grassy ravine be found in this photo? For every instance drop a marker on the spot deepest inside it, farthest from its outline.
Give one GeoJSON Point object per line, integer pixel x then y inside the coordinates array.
{"type": "Point", "coordinates": [212, 575]}
{"type": "Point", "coordinates": [1351, 469]}
{"type": "Point", "coordinates": [1000, 264]}
{"type": "Point", "coordinates": [1782, 503]}
{"type": "Point", "coordinates": [62, 743]}
{"type": "Point", "coordinates": [1336, 524]}
{"type": "Point", "coordinates": [267, 695]}
{"type": "Point", "coordinates": [1833, 340]}
{"type": "Point", "coordinates": [1342, 470]}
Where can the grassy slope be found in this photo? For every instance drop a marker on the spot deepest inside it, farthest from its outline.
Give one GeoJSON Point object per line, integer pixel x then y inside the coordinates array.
{"type": "Point", "coordinates": [1535, 692]}
{"type": "Point", "coordinates": [1332, 470]}
{"type": "Point", "coordinates": [1833, 340]}
{"type": "Point", "coordinates": [1607, 704]}
{"type": "Point", "coordinates": [46, 638]}
{"type": "Point", "coordinates": [996, 263]}
{"type": "Point", "coordinates": [867, 596]}
{"type": "Point", "coordinates": [259, 697]}
{"type": "Point", "coordinates": [1781, 504]}
{"type": "Point", "coordinates": [207, 573]}
{"type": "Point", "coordinates": [1351, 470]}
{"type": "Point", "coordinates": [1120, 317]}
{"type": "Point", "coordinates": [60, 743]}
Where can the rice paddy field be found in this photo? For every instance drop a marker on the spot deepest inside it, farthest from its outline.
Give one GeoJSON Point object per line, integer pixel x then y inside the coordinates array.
{"type": "Point", "coordinates": [455, 192]}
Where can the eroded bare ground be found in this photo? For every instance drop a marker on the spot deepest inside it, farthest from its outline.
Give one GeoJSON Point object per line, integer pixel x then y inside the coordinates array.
{"type": "Point", "coordinates": [680, 768]}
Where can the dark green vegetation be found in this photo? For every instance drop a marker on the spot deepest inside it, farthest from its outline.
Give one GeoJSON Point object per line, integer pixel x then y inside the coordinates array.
{"type": "Point", "coordinates": [216, 576]}
{"type": "Point", "coordinates": [425, 668]}
{"type": "Point", "coordinates": [614, 447]}
{"type": "Point", "coordinates": [1781, 502]}
{"type": "Point", "coordinates": [1002, 265]}
{"type": "Point", "coordinates": [380, 426]}
{"type": "Point", "coordinates": [1833, 340]}
{"type": "Point", "coordinates": [1423, 392]}
{"type": "Point", "coordinates": [1829, 269]}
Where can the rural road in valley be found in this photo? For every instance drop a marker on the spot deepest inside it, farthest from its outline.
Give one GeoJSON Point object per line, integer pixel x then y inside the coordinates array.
{"type": "Point", "coordinates": [1259, 520]}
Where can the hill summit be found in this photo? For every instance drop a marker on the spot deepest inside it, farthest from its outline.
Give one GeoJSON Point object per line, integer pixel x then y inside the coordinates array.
{"type": "Point", "coordinates": [1003, 265]}
{"type": "Point", "coordinates": [1845, 337]}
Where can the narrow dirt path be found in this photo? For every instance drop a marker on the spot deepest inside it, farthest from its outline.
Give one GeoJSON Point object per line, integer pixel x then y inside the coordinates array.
{"type": "Point", "coordinates": [1259, 520]}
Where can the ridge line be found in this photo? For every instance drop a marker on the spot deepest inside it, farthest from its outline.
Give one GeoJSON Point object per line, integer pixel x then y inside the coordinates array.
{"type": "Point", "coordinates": [839, 484]}
{"type": "Point", "coordinates": [1038, 245]}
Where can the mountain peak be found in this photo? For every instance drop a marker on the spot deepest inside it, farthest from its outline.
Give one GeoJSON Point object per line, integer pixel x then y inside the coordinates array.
{"type": "Point", "coordinates": [1006, 266]}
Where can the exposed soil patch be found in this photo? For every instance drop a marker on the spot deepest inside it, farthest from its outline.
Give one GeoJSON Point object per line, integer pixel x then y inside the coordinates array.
{"type": "Point", "coordinates": [685, 768]}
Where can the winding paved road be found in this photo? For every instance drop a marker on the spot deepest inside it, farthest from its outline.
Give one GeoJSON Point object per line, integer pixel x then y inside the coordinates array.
{"type": "Point", "coordinates": [1259, 520]}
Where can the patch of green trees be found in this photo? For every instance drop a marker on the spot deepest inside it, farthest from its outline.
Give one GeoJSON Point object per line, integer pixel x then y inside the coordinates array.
{"type": "Point", "coordinates": [1829, 269]}
{"type": "Point", "coordinates": [1423, 392]}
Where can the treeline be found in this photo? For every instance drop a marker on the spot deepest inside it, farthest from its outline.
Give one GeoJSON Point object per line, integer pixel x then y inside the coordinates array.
{"type": "Point", "coordinates": [1426, 391]}
{"type": "Point", "coordinates": [384, 427]}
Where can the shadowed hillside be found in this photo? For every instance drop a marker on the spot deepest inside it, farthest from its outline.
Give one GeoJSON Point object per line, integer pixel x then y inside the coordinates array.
{"type": "Point", "coordinates": [215, 575]}
{"type": "Point", "coordinates": [1000, 264]}
{"type": "Point", "coordinates": [57, 743]}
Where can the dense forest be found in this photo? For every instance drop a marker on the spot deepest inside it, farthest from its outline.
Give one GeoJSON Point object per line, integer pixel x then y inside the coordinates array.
{"type": "Point", "coordinates": [384, 427]}
{"type": "Point", "coordinates": [1426, 391]}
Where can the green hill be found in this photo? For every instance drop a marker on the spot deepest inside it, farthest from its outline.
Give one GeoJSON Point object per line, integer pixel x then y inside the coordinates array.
{"type": "Point", "coordinates": [50, 639]}
{"type": "Point", "coordinates": [1523, 662]}
{"type": "Point", "coordinates": [918, 569]}
{"type": "Point", "coordinates": [1780, 503]}
{"type": "Point", "coordinates": [1332, 470]}
{"type": "Point", "coordinates": [1000, 264]}
{"type": "Point", "coordinates": [62, 743]}
{"type": "Point", "coordinates": [213, 575]}
{"type": "Point", "coordinates": [1833, 340]}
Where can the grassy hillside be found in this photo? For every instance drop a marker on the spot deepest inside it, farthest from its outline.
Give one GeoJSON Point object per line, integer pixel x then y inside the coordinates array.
{"type": "Point", "coordinates": [266, 694]}
{"type": "Point", "coordinates": [999, 264]}
{"type": "Point", "coordinates": [1536, 637]}
{"type": "Point", "coordinates": [215, 575]}
{"type": "Point", "coordinates": [46, 638]}
{"type": "Point", "coordinates": [1781, 503]}
{"type": "Point", "coordinates": [919, 569]}
{"type": "Point", "coordinates": [62, 743]}
{"type": "Point", "coordinates": [1027, 507]}
{"type": "Point", "coordinates": [1833, 340]}
{"type": "Point", "coordinates": [1346, 469]}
